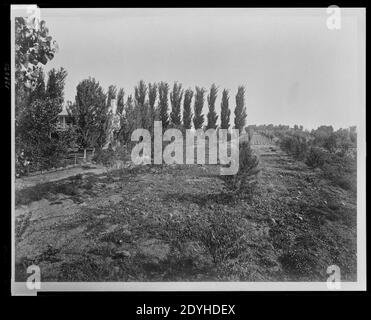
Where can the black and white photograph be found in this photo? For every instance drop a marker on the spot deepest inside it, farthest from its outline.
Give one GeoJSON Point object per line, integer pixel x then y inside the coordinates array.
{"type": "Point", "coordinates": [188, 149]}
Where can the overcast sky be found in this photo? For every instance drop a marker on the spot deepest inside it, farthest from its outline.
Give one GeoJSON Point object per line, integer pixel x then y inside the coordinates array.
{"type": "Point", "coordinates": [294, 68]}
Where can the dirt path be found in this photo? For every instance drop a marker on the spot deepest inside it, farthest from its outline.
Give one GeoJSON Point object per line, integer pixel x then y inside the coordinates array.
{"type": "Point", "coordinates": [258, 139]}
{"type": "Point", "coordinates": [26, 182]}
{"type": "Point", "coordinates": [312, 223]}
{"type": "Point", "coordinates": [178, 223]}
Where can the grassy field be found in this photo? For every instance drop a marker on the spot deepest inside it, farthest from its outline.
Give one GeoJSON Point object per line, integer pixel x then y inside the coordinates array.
{"type": "Point", "coordinates": [181, 223]}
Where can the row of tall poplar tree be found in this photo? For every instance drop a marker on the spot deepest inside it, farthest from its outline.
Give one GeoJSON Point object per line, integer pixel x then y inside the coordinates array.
{"type": "Point", "coordinates": [89, 112]}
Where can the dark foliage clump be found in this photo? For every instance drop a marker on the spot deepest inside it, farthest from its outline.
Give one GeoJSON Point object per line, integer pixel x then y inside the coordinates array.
{"type": "Point", "coordinates": [315, 158]}
{"type": "Point", "coordinates": [245, 180]}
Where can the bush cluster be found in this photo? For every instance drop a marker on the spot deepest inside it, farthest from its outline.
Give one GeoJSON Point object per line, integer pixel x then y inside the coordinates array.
{"type": "Point", "coordinates": [315, 157]}
{"type": "Point", "coordinates": [332, 151]}
{"type": "Point", "coordinates": [109, 156]}
{"type": "Point", "coordinates": [245, 180]}
{"type": "Point", "coordinates": [342, 171]}
{"type": "Point", "coordinates": [295, 145]}
{"type": "Point", "coordinates": [219, 232]}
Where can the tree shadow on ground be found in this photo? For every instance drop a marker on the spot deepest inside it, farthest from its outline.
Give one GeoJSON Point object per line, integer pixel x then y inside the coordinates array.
{"type": "Point", "coordinates": [203, 200]}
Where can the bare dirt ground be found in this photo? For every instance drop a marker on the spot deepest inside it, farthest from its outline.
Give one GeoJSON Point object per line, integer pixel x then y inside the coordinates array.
{"type": "Point", "coordinates": [179, 223]}
{"type": "Point", "coordinates": [30, 181]}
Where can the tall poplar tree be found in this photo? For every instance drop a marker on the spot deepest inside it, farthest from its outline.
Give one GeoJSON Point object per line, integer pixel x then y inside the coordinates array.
{"type": "Point", "coordinates": [89, 113]}
{"type": "Point", "coordinates": [240, 110]}
{"type": "Point", "coordinates": [176, 100]}
{"type": "Point", "coordinates": [120, 101]}
{"type": "Point", "coordinates": [187, 109]}
{"type": "Point", "coordinates": [212, 117]}
{"type": "Point", "coordinates": [163, 106]}
{"type": "Point", "coordinates": [225, 112]}
{"type": "Point", "coordinates": [198, 118]}
{"type": "Point", "coordinates": [152, 95]}
{"type": "Point", "coordinates": [140, 93]}
{"type": "Point", "coordinates": [55, 85]}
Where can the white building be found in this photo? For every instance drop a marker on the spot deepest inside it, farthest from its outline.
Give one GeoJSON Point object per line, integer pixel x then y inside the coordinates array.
{"type": "Point", "coordinates": [62, 123]}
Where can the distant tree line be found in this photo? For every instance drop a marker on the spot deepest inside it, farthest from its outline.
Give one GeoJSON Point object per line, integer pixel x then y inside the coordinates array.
{"type": "Point", "coordinates": [340, 141]}
{"type": "Point", "coordinates": [334, 152]}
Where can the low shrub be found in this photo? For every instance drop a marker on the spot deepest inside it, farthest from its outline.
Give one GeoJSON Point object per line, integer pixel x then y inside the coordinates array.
{"type": "Point", "coordinates": [222, 236]}
{"type": "Point", "coordinates": [244, 181]}
{"type": "Point", "coordinates": [343, 180]}
{"type": "Point", "coordinates": [315, 157]}
{"type": "Point", "coordinates": [69, 189]}
{"type": "Point", "coordinates": [105, 157]}
{"type": "Point", "coordinates": [295, 145]}
{"type": "Point", "coordinates": [108, 157]}
{"type": "Point", "coordinates": [342, 171]}
{"type": "Point", "coordinates": [298, 264]}
{"type": "Point", "coordinates": [218, 231]}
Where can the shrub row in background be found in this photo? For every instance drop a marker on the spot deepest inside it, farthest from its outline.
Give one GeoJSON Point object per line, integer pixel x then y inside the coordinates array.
{"type": "Point", "coordinates": [337, 164]}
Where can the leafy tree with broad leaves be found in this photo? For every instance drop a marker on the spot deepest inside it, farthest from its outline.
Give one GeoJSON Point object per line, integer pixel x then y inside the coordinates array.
{"type": "Point", "coordinates": [176, 99]}
{"type": "Point", "coordinates": [35, 137]}
{"type": "Point", "coordinates": [240, 110]}
{"type": "Point", "coordinates": [37, 104]}
{"type": "Point", "coordinates": [225, 111]}
{"type": "Point", "coordinates": [42, 145]}
{"type": "Point", "coordinates": [89, 113]}
{"type": "Point", "coordinates": [33, 46]}
{"type": "Point", "coordinates": [212, 117]}
{"type": "Point", "coordinates": [187, 110]}
{"type": "Point", "coordinates": [198, 118]}
{"type": "Point", "coordinates": [163, 106]}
